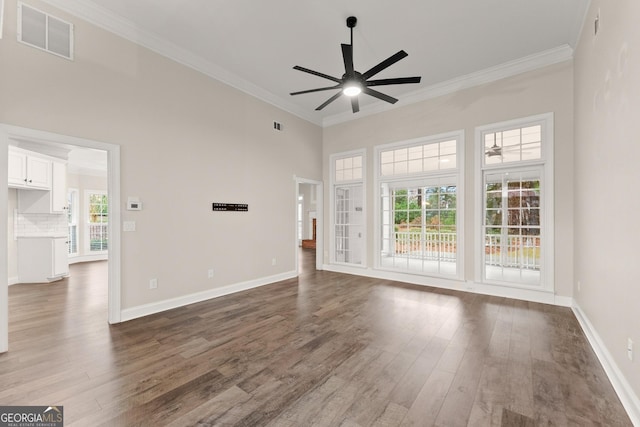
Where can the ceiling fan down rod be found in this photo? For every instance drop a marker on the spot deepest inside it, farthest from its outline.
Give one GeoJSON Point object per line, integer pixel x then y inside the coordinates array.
{"type": "Point", "coordinates": [351, 23]}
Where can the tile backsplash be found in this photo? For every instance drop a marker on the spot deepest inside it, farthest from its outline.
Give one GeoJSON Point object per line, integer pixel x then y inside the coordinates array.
{"type": "Point", "coordinates": [40, 224]}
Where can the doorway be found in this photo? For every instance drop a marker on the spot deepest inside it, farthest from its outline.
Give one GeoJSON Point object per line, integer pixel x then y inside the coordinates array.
{"type": "Point", "coordinates": [309, 209]}
{"type": "Point", "coordinates": [13, 135]}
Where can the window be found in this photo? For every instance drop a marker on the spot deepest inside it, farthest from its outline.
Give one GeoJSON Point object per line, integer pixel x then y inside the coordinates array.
{"type": "Point", "coordinates": [418, 158]}
{"type": "Point", "coordinates": [45, 32]}
{"type": "Point", "coordinates": [347, 198]}
{"type": "Point", "coordinates": [516, 202]}
{"type": "Point", "coordinates": [419, 206]}
{"type": "Point", "coordinates": [72, 215]}
{"type": "Point", "coordinates": [97, 221]}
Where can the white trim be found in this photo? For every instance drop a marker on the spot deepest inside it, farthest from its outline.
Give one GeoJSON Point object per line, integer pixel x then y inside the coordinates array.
{"type": "Point", "coordinates": [109, 21]}
{"type": "Point", "coordinates": [4, 237]}
{"type": "Point", "coordinates": [88, 258]}
{"type": "Point", "coordinates": [86, 224]}
{"type": "Point", "coordinates": [126, 29]}
{"type": "Point", "coordinates": [625, 392]}
{"type": "Point", "coordinates": [332, 202]}
{"type": "Point", "coordinates": [160, 306]}
{"type": "Point", "coordinates": [508, 69]}
{"type": "Point", "coordinates": [1, 16]}
{"type": "Point", "coordinates": [13, 280]}
{"type": "Point", "coordinates": [319, 220]}
{"type": "Point", "coordinates": [546, 120]}
{"type": "Point", "coordinates": [458, 172]}
{"type": "Point", "coordinates": [113, 181]}
{"type": "Point", "coordinates": [524, 294]}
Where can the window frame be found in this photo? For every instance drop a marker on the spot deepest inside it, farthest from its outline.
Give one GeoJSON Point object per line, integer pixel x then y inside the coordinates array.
{"type": "Point", "coordinates": [457, 173]}
{"type": "Point", "coordinates": [73, 212]}
{"type": "Point", "coordinates": [87, 223]}
{"type": "Point", "coordinates": [545, 163]}
{"type": "Point", "coordinates": [332, 204]}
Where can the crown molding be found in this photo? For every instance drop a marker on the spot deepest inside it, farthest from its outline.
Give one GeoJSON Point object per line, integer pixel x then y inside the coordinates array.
{"type": "Point", "coordinates": [126, 29]}
{"type": "Point", "coordinates": [508, 69]}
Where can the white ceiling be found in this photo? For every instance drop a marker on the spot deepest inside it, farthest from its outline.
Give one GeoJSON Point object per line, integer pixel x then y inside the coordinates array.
{"type": "Point", "coordinates": [253, 44]}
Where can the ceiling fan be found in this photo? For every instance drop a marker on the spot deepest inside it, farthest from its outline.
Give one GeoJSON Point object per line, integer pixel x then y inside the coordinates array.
{"type": "Point", "coordinates": [495, 150]}
{"type": "Point", "coordinates": [352, 83]}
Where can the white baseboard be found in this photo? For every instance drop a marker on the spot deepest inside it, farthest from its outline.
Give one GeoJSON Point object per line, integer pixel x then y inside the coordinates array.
{"type": "Point", "coordinates": [157, 307]}
{"type": "Point", "coordinates": [88, 258]}
{"type": "Point", "coordinates": [13, 280]}
{"type": "Point", "coordinates": [525, 294]}
{"type": "Point", "coordinates": [622, 387]}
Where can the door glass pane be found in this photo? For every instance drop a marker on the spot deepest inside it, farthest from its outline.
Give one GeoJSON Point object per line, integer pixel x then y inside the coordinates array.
{"type": "Point", "coordinates": [512, 229]}
{"type": "Point", "coordinates": [349, 224]}
{"type": "Point", "coordinates": [419, 230]}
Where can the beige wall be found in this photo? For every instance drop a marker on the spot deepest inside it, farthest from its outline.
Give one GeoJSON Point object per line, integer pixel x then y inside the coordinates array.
{"type": "Point", "coordinates": [186, 141]}
{"type": "Point", "coordinates": [536, 92]}
{"type": "Point", "coordinates": [607, 230]}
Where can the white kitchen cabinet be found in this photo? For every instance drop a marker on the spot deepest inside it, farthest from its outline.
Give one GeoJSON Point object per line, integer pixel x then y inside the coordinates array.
{"type": "Point", "coordinates": [42, 259]}
{"type": "Point", "coordinates": [52, 201]}
{"type": "Point", "coordinates": [28, 170]}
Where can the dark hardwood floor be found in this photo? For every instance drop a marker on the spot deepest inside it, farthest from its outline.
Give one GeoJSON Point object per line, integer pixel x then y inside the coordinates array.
{"type": "Point", "coordinates": [325, 349]}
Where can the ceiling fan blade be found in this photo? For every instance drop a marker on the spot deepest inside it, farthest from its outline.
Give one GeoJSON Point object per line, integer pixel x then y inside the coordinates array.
{"type": "Point", "coordinates": [379, 95]}
{"type": "Point", "coordinates": [329, 101]}
{"type": "Point", "coordinates": [396, 81]}
{"type": "Point", "coordinates": [316, 90]}
{"type": "Point", "coordinates": [384, 64]}
{"type": "Point", "coordinates": [316, 73]}
{"type": "Point", "coordinates": [355, 106]}
{"type": "Point", "coordinates": [347, 56]}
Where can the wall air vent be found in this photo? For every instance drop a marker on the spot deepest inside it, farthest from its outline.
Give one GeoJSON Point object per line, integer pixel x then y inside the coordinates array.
{"type": "Point", "coordinates": [43, 31]}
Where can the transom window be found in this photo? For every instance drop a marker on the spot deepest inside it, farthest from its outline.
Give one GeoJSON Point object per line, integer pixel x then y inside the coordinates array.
{"type": "Point", "coordinates": [348, 169]}
{"type": "Point", "coordinates": [418, 158]}
{"type": "Point", "coordinates": [513, 145]}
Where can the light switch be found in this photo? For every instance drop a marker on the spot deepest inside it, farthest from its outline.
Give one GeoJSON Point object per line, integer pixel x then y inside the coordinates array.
{"type": "Point", "coordinates": [129, 226]}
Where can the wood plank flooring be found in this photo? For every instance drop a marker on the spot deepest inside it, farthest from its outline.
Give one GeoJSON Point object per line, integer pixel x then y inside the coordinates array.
{"type": "Point", "coordinates": [325, 349]}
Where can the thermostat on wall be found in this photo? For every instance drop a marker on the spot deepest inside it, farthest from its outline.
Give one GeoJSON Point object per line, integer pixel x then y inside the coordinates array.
{"type": "Point", "coordinates": [134, 204]}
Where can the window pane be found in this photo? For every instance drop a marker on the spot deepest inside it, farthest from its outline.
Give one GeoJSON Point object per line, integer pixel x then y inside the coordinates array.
{"type": "Point", "coordinates": [448, 147]}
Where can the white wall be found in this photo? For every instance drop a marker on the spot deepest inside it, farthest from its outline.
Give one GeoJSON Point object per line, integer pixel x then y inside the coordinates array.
{"type": "Point", "coordinates": [607, 230]}
{"type": "Point", "coordinates": [12, 243]}
{"type": "Point", "coordinates": [545, 90]}
{"type": "Point", "coordinates": [186, 141]}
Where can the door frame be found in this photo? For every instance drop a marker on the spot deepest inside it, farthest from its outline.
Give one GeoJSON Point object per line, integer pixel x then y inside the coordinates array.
{"type": "Point", "coordinates": [9, 132]}
{"type": "Point", "coordinates": [319, 221]}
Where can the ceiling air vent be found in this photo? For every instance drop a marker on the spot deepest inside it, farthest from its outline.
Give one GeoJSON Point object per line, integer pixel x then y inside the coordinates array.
{"type": "Point", "coordinates": [43, 31]}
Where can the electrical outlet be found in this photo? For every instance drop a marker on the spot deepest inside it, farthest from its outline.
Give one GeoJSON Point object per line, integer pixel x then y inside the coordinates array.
{"type": "Point", "coordinates": [210, 273]}
{"type": "Point", "coordinates": [630, 349]}
{"type": "Point", "coordinates": [273, 261]}
{"type": "Point", "coordinates": [153, 284]}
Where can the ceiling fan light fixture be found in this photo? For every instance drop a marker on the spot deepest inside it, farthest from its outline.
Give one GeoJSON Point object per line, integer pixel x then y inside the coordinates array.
{"type": "Point", "coordinates": [352, 89]}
